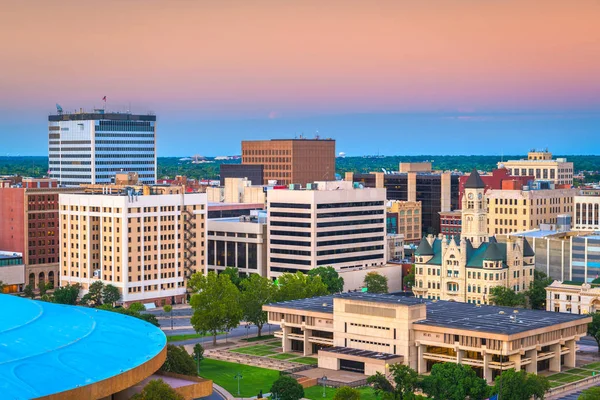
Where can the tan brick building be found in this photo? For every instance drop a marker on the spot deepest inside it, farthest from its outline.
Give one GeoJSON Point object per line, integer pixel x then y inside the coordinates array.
{"type": "Point", "coordinates": [465, 268]}
{"type": "Point", "coordinates": [408, 214]}
{"type": "Point", "coordinates": [146, 245]}
{"type": "Point", "coordinates": [363, 332]}
{"type": "Point", "coordinates": [541, 165]}
{"type": "Point", "coordinates": [288, 161]}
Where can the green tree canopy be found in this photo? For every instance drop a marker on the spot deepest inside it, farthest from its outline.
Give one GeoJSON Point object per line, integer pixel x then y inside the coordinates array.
{"type": "Point", "coordinates": [287, 388]}
{"type": "Point", "coordinates": [234, 276]}
{"type": "Point", "coordinates": [380, 384]}
{"type": "Point", "coordinates": [94, 295]}
{"type": "Point", "coordinates": [256, 292]}
{"type": "Point", "coordinates": [409, 279]}
{"type": "Point", "coordinates": [519, 385]}
{"type": "Point", "coordinates": [157, 389]}
{"type": "Point", "coordinates": [110, 294]}
{"type": "Point", "coordinates": [67, 294]}
{"type": "Point", "coordinates": [503, 296]}
{"type": "Point", "coordinates": [28, 291]}
{"type": "Point", "coordinates": [537, 292]}
{"type": "Point", "coordinates": [198, 353]}
{"type": "Point", "coordinates": [376, 283]}
{"type": "Point", "coordinates": [136, 307]}
{"type": "Point", "coordinates": [300, 286]}
{"type": "Point", "coordinates": [217, 304]}
{"type": "Point", "coordinates": [405, 379]}
{"type": "Point", "coordinates": [179, 361]}
{"type": "Point", "coordinates": [594, 328]}
{"type": "Point", "coordinates": [592, 393]}
{"type": "Point", "coordinates": [330, 277]}
{"type": "Point", "coordinates": [346, 393]}
{"type": "Point", "coordinates": [450, 381]}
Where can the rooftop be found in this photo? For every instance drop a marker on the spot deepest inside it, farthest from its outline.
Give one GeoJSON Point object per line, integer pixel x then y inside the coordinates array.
{"type": "Point", "coordinates": [100, 115]}
{"type": "Point", "coordinates": [450, 314]}
{"type": "Point", "coordinates": [80, 346]}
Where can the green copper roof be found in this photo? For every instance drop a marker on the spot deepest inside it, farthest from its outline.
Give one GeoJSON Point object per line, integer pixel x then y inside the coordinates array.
{"type": "Point", "coordinates": [494, 253]}
{"type": "Point", "coordinates": [424, 248]}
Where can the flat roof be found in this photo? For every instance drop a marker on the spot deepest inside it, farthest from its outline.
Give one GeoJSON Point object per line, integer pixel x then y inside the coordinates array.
{"type": "Point", "coordinates": [360, 353]}
{"type": "Point", "coordinates": [449, 314]}
{"type": "Point", "coordinates": [51, 348]}
{"type": "Point", "coordinates": [100, 115]}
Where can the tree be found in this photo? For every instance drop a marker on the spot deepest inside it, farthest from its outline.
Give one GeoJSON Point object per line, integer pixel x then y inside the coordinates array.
{"type": "Point", "coordinates": [179, 361]}
{"type": "Point", "coordinates": [376, 283]}
{"type": "Point", "coordinates": [67, 294]}
{"type": "Point", "coordinates": [405, 379]}
{"type": "Point", "coordinates": [256, 292]}
{"type": "Point", "coordinates": [300, 286]}
{"type": "Point", "coordinates": [449, 381]}
{"type": "Point", "coordinates": [409, 279]}
{"type": "Point", "coordinates": [380, 384]}
{"type": "Point", "coordinates": [157, 389]}
{"type": "Point", "coordinates": [2, 286]}
{"type": "Point", "coordinates": [110, 294]}
{"type": "Point", "coordinates": [217, 305]}
{"type": "Point", "coordinates": [150, 318]}
{"type": "Point", "coordinates": [594, 328]}
{"type": "Point", "coordinates": [330, 277]}
{"type": "Point", "coordinates": [346, 393]}
{"type": "Point", "coordinates": [198, 353]}
{"type": "Point", "coordinates": [519, 385]}
{"type": "Point", "coordinates": [136, 307]}
{"type": "Point", "coordinates": [234, 276]}
{"type": "Point", "coordinates": [537, 291]}
{"type": "Point", "coordinates": [42, 288]}
{"type": "Point", "coordinates": [94, 295]}
{"type": "Point", "coordinates": [503, 296]}
{"type": "Point", "coordinates": [169, 309]}
{"type": "Point", "coordinates": [28, 291]}
{"type": "Point", "coordinates": [287, 388]}
{"type": "Point", "coordinates": [592, 393]}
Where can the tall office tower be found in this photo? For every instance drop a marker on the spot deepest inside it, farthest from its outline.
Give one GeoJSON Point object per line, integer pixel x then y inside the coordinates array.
{"type": "Point", "coordinates": [145, 244]}
{"type": "Point", "coordinates": [91, 147]}
{"type": "Point", "coordinates": [326, 224]}
{"type": "Point", "coordinates": [292, 160]}
{"type": "Point", "coordinates": [29, 226]}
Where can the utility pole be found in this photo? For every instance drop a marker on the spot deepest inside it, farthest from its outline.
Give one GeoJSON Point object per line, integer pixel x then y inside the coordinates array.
{"type": "Point", "coordinates": [239, 377]}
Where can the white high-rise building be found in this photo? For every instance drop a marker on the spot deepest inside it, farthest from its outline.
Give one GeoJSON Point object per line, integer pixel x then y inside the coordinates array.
{"type": "Point", "coordinates": [91, 147]}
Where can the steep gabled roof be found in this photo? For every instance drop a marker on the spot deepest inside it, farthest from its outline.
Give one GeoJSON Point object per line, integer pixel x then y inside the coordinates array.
{"type": "Point", "coordinates": [424, 248]}
{"type": "Point", "coordinates": [527, 250]}
{"type": "Point", "coordinates": [494, 253]}
{"type": "Point", "coordinates": [474, 181]}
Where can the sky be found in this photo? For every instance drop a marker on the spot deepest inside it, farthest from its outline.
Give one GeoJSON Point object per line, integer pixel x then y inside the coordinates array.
{"type": "Point", "coordinates": [389, 77]}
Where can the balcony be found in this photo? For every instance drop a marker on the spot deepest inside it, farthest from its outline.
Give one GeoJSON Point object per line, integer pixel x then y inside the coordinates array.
{"type": "Point", "coordinates": [545, 356]}
{"type": "Point", "coordinates": [473, 362]}
{"type": "Point", "coordinates": [439, 357]}
{"type": "Point", "coordinates": [501, 365]}
{"type": "Point", "coordinates": [278, 334]}
{"type": "Point", "coordinates": [320, 340]}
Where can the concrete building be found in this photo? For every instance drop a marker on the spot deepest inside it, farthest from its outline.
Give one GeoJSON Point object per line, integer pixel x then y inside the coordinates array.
{"type": "Point", "coordinates": [238, 242]}
{"type": "Point", "coordinates": [145, 244]}
{"type": "Point", "coordinates": [407, 217]}
{"type": "Point", "coordinates": [237, 190]}
{"type": "Point", "coordinates": [526, 208]}
{"type": "Point", "coordinates": [541, 165]}
{"type": "Point", "coordinates": [434, 190]}
{"type": "Point", "coordinates": [287, 161]}
{"type": "Point", "coordinates": [465, 268]}
{"type": "Point", "coordinates": [586, 215]}
{"type": "Point", "coordinates": [573, 297]}
{"type": "Point", "coordinates": [12, 272]}
{"type": "Point", "coordinates": [362, 332]}
{"type": "Point", "coordinates": [499, 179]}
{"type": "Point", "coordinates": [329, 224]}
{"type": "Point", "coordinates": [91, 147]}
{"type": "Point", "coordinates": [29, 226]}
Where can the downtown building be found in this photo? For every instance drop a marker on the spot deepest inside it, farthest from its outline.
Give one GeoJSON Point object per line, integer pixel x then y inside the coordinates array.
{"type": "Point", "coordinates": [145, 241]}
{"type": "Point", "coordinates": [91, 147]}
{"type": "Point", "coordinates": [540, 165]}
{"type": "Point", "coordinates": [333, 224]}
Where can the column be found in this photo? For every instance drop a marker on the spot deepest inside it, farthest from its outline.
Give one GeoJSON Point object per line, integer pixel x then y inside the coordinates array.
{"type": "Point", "coordinates": [307, 346]}
{"type": "Point", "coordinates": [421, 362]}
{"type": "Point", "coordinates": [571, 357]}
{"type": "Point", "coordinates": [487, 371]}
{"type": "Point", "coordinates": [516, 358]}
{"type": "Point", "coordinates": [555, 361]}
{"type": "Point", "coordinates": [286, 342]}
{"type": "Point", "coordinates": [459, 355]}
{"type": "Point", "coordinates": [531, 368]}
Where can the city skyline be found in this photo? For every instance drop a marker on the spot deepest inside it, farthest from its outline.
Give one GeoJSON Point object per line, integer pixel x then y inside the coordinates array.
{"type": "Point", "coordinates": [213, 70]}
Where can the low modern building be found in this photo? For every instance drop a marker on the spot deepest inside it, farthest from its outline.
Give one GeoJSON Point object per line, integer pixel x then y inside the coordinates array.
{"type": "Point", "coordinates": [238, 242]}
{"type": "Point", "coordinates": [404, 218]}
{"type": "Point", "coordinates": [12, 272]}
{"type": "Point", "coordinates": [145, 244]}
{"type": "Point", "coordinates": [364, 332]}
{"type": "Point", "coordinates": [84, 354]}
{"type": "Point", "coordinates": [541, 165]}
{"type": "Point", "coordinates": [333, 224]}
{"type": "Point", "coordinates": [573, 297]}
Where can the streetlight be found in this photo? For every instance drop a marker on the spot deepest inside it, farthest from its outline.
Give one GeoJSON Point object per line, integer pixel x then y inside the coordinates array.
{"type": "Point", "coordinates": [238, 376]}
{"type": "Point", "coordinates": [324, 379]}
{"type": "Point", "coordinates": [247, 330]}
{"type": "Point", "coordinates": [198, 362]}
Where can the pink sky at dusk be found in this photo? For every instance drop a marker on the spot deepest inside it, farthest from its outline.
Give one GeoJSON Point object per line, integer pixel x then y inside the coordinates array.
{"type": "Point", "coordinates": [272, 58]}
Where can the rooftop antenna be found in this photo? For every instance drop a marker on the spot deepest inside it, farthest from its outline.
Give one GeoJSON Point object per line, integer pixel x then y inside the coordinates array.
{"type": "Point", "coordinates": [59, 109]}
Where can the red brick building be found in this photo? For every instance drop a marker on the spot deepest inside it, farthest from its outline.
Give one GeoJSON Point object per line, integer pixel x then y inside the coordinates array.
{"type": "Point", "coordinates": [451, 222]}
{"type": "Point", "coordinates": [493, 181]}
{"type": "Point", "coordinates": [29, 225]}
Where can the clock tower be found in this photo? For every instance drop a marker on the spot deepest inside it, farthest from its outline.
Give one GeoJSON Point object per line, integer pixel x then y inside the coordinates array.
{"type": "Point", "coordinates": [474, 211]}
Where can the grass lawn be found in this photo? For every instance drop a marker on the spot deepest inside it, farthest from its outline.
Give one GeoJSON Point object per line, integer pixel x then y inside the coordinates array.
{"type": "Point", "coordinates": [258, 338]}
{"type": "Point", "coordinates": [178, 338]}
{"type": "Point", "coordinates": [595, 365]}
{"type": "Point", "coordinates": [306, 360]}
{"type": "Point", "coordinates": [254, 379]}
{"type": "Point", "coordinates": [316, 393]}
{"type": "Point", "coordinates": [257, 350]}
{"type": "Point", "coordinates": [283, 356]}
